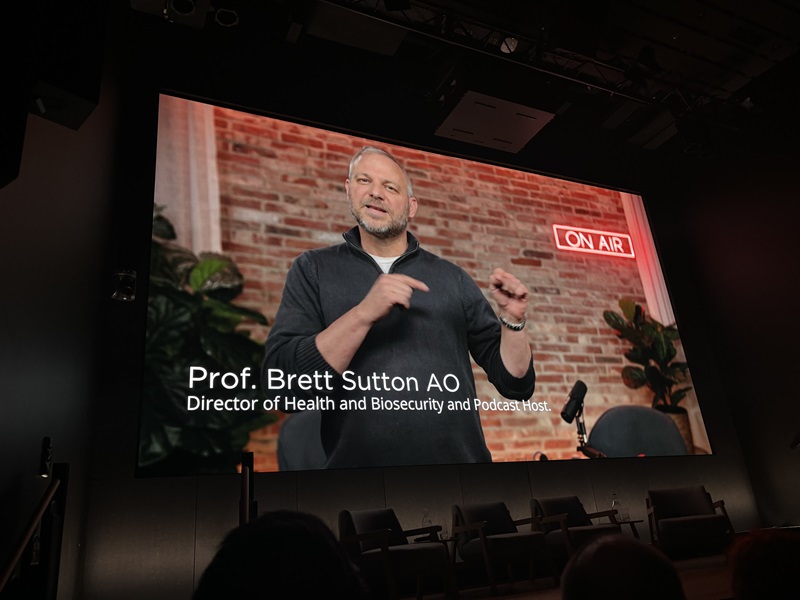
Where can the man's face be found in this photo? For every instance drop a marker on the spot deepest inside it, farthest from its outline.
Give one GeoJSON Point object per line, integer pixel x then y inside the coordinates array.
{"type": "Point", "coordinates": [378, 196]}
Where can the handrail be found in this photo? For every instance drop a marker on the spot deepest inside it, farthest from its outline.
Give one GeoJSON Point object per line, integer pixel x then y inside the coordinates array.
{"type": "Point", "coordinates": [248, 507]}
{"type": "Point", "coordinates": [41, 508]}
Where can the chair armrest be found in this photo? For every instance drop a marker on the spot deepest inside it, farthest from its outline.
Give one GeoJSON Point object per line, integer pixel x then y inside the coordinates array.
{"type": "Point", "coordinates": [560, 518]}
{"type": "Point", "coordinates": [527, 521]}
{"type": "Point", "coordinates": [477, 525]}
{"type": "Point", "coordinates": [611, 513]}
{"type": "Point", "coordinates": [430, 529]}
{"type": "Point", "coordinates": [382, 535]}
{"type": "Point", "coordinates": [720, 504]}
{"type": "Point", "coordinates": [652, 524]}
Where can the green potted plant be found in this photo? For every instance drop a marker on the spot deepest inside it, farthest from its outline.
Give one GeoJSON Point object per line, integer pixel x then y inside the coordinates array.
{"type": "Point", "coordinates": [192, 321]}
{"type": "Point", "coordinates": [654, 356]}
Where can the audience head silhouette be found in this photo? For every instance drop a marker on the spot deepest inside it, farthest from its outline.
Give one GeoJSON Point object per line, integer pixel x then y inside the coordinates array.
{"type": "Point", "coordinates": [280, 554]}
{"type": "Point", "coordinates": [764, 565]}
{"type": "Point", "coordinates": [620, 567]}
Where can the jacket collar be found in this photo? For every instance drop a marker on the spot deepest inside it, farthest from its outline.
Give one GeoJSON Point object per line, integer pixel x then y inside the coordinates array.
{"type": "Point", "coordinates": [353, 237]}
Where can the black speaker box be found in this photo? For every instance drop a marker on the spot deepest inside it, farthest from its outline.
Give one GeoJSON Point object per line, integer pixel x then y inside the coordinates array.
{"type": "Point", "coordinates": [68, 50]}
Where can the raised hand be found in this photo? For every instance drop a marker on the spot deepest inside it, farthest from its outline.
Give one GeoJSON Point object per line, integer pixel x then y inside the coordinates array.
{"type": "Point", "coordinates": [510, 294]}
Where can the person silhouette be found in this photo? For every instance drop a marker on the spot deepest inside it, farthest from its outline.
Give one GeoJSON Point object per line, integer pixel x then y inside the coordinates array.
{"type": "Point", "coordinates": [280, 554]}
{"type": "Point", "coordinates": [764, 564]}
{"type": "Point", "coordinates": [620, 567]}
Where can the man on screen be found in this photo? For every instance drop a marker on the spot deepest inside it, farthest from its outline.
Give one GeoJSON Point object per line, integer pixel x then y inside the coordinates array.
{"type": "Point", "coordinates": [383, 331]}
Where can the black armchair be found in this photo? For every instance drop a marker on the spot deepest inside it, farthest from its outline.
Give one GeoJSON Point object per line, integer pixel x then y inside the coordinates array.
{"type": "Point", "coordinates": [685, 522]}
{"type": "Point", "coordinates": [380, 548]}
{"type": "Point", "coordinates": [636, 431]}
{"type": "Point", "coordinates": [486, 533]}
{"type": "Point", "coordinates": [567, 525]}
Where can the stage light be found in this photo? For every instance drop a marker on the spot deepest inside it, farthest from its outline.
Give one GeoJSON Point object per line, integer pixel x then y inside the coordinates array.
{"type": "Point", "coordinates": [509, 45]}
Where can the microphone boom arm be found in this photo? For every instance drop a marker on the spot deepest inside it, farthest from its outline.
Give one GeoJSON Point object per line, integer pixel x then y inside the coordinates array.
{"type": "Point", "coordinates": [583, 447]}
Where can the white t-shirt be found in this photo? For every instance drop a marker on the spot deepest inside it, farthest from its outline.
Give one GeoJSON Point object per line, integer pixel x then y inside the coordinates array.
{"type": "Point", "coordinates": [385, 263]}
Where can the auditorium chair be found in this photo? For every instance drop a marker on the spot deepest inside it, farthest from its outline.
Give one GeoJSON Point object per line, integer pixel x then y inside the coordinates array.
{"type": "Point", "coordinates": [487, 535]}
{"type": "Point", "coordinates": [383, 553]}
{"type": "Point", "coordinates": [567, 526]}
{"type": "Point", "coordinates": [685, 522]}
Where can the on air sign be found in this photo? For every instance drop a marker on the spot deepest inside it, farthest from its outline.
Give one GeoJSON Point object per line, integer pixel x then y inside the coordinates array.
{"type": "Point", "coordinates": [578, 239]}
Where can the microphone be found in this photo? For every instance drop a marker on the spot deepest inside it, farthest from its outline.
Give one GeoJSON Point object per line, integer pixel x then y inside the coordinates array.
{"type": "Point", "coordinates": [574, 401]}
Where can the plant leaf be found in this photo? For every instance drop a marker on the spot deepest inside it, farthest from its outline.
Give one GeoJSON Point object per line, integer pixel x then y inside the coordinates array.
{"type": "Point", "coordinates": [633, 377]}
{"type": "Point", "coordinates": [638, 355]}
{"type": "Point", "coordinates": [227, 316]}
{"type": "Point", "coordinates": [615, 321]}
{"type": "Point", "coordinates": [231, 350]}
{"type": "Point", "coordinates": [163, 228]}
{"type": "Point", "coordinates": [225, 284]}
{"type": "Point", "coordinates": [205, 270]}
{"type": "Point", "coordinates": [660, 347]}
{"type": "Point", "coordinates": [628, 308]}
{"type": "Point", "coordinates": [677, 395]}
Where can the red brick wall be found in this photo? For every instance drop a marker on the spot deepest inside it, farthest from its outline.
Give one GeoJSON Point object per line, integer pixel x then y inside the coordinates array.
{"type": "Point", "coordinates": [282, 192]}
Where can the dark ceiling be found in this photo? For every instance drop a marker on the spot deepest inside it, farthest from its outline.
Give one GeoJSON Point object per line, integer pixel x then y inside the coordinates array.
{"type": "Point", "coordinates": [623, 91]}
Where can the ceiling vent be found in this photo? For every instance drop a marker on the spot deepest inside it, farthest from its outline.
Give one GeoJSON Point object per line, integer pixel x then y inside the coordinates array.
{"type": "Point", "coordinates": [494, 123]}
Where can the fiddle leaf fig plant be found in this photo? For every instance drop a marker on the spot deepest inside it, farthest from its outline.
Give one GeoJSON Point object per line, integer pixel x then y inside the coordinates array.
{"type": "Point", "coordinates": [652, 353]}
{"type": "Point", "coordinates": [192, 321]}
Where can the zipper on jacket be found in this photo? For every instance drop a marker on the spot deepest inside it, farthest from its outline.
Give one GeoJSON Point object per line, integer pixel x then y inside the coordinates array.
{"type": "Point", "coordinates": [409, 251]}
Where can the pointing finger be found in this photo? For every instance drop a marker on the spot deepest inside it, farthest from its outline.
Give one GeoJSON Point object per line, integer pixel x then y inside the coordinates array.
{"type": "Point", "coordinates": [410, 282]}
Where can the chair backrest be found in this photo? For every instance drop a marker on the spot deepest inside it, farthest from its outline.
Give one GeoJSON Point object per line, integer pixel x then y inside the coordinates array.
{"type": "Point", "coordinates": [571, 505]}
{"type": "Point", "coordinates": [636, 431]}
{"type": "Point", "coordinates": [300, 443]}
{"type": "Point", "coordinates": [496, 514]}
{"type": "Point", "coordinates": [352, 522]}
{"type": "Point", "coordinates": [680, 502]}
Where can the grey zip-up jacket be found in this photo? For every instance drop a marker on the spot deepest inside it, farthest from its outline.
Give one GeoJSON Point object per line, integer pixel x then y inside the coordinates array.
{"type": "Point", "coordinates": [408, 395]}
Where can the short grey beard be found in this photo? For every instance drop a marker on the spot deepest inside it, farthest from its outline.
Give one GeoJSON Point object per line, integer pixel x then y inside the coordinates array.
{"type": "Point", "coordinates": [389, 231]}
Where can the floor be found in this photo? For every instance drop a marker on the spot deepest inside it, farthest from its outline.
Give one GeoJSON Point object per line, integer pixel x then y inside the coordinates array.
{"type": "Point", "coordinates": [703, 579]}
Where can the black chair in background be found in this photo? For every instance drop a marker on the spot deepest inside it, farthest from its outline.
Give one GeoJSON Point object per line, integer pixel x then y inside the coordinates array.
{"type": "Point", "coordinates": [567, 525]}
{"type": "Point", "coordinates": [685, 522]}
{"type": "Point", "coordinates": [636, 431]}
{"type": "Point", "coordinates": [486, 534]}
{"type": "Point", "coordinates": [380, 547]}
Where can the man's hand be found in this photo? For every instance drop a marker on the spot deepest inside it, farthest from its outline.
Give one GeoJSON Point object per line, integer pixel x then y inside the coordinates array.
{"type": "Point", "coordinates": [339, 342]}
{"type": "Point", "coordinates": [510, 294]}
{"type": "Point", "coordinates": [385, 293]}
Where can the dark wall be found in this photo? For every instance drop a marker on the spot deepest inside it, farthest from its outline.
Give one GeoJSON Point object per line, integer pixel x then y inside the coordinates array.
{"type": "Point", "coordinates": [52, 236]}
{"type": "Point", "coordinates": [734, 230]}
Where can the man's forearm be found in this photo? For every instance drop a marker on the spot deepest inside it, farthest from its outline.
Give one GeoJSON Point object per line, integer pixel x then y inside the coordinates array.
{"type": "Point", "coordinates": [515, 351]}
{"type": "Point", "coordinates": [340, 341]}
